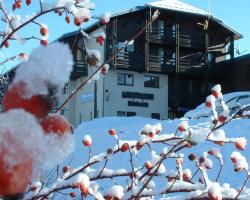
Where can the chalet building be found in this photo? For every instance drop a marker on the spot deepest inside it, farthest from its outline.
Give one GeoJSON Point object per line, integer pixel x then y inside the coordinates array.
{"type": "Point", "coordinates": [168, 70]}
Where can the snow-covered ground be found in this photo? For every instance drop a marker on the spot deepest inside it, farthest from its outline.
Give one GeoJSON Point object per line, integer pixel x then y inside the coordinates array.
{"type": "Point", "coordinates": [128, 128]}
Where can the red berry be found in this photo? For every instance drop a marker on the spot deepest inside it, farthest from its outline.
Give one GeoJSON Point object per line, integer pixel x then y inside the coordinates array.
{"type": "Point", "coordinates": [201, 160]}
{"type": "Point", "coordinates": [19, 4]}
{"type": "Point", "coordinates": [66, 169]}
{"type": "Point", "coordinates": [100, 40]}
{"type": "Point", "coordinates": [43, 30]}
{"type": "Point", "coordinates": [208, 104]}
{"type": "Point", "coordinates": [6, 44]}
{"type": "Point", "coordinates": [112, 131]}
{"type": "Point", "coordinates": [14, 6]}
{"type": "Point", "coordinates": [72, 194]}
{"type": "Point", "coordinates": [55, 123]}
{"type": "Point", "coordinates": [33, 188]}
{"type": "Point", "coordinates": [186, 177]}
{"type": "Point", "coordinates": [222, 119]}
{"type": "Point", "coordinates": [148, 165]}
{"type": "Point", "coordinates": [77, 21]}
{"type": "Point", "coordinates": [181, 128]}
{"type": "Point", "coordinates": [14, 178]}
{"type": "Point", "coordinates": [215, 94]}
{"type": "Point", "coordinates": [139, 146]}
{"type": "Point", "coordinates": [240, 145]}
{"type": "Point", "coordinates": [124, 147]}
{"type": "Point", "coordinates": [108, 197]}
{"type": "Point", "coordinates": [28, 2]}
{"type": "Point", "coordinates": [103, 22]}
{"type": "Point", "coordinates": [233, 159]}
{"type": "Point", "coordinates": [87, 141]}
{"type": "Point", "coordinates": [67, 19]}
{"type": "Point", "coordinates": [192, 157]}
{"type": "Point", "coordinates": [84, 190]}
{"type": "Point", "coordinates": [103, 70]}
{"type": "Point", "coordinates": [38, 105]}
{"type": "Point", "coordinates": [85, 19]}
{"type": "Point", "coordinates": [44, 42]}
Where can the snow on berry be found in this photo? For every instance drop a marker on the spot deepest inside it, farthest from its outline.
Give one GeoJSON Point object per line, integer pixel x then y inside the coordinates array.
{"type": "Point", "coordinates": [158, 128]}
{"type": "Point", "coordinates": [93, 57]}
{"type": "Point", "coordinates": [105, 69]}
{"type": "Point", "coordinates": [87, 140]}
{"type": "Point", "coordinates": [183, 126]}
{"type": "Point", "coordinates": [20, 125]}
{"type": "Point", "coordinates": [187, 174]}
{"type": "Point", "coordinates": [105, 18]}
{"type": "Point", "coordinates": [210, 102]}
{"type": "Point", "coordinates": [115, 192]}
{"type": "Point", "coordinates": [40, 74]}
{"type": "Point", "coordinates": [81, 179]}
{"type": "Point", "coordinates": [214, 192]}
{"type": "Point", "coordinates": [216, 91]}
{"type": "Point", "coordinates": [223, 116]}
{"type": "Point", "coordinates": [208, 163]}
{"type": "Point", "coordinates": [239, 161]}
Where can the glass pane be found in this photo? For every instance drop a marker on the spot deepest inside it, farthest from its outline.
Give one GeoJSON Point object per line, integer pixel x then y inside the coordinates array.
{"type": "Point", "coordinates": [120, 113]}
{"type": "Point", "coordinates": [129, 79]}
{"type": "Point", "coordinates": [120, 79]}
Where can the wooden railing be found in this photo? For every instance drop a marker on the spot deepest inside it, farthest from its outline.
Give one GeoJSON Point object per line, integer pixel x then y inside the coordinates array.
{"type": "Point", "coordinates": [167, 36]}
{"type": "Point", "coordinates": [136, 62]}
{"type": "Point", "coordinates": [79, 69]}
{"type": "Point", "coordinates": [128, 60]}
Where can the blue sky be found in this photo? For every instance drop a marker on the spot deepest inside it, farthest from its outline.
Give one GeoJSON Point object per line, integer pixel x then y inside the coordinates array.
{"type": "Point", "coordinates": [234, 13]}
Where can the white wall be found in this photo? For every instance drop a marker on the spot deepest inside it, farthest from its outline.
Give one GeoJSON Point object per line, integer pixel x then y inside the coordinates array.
{"type": "Point", "coordinates": [114, 102]}
{"type": "Point", "coordinates": [81, 106]}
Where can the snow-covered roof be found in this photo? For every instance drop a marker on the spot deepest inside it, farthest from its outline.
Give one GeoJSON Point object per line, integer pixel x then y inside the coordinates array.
{"type": "Point", "coordinates": [177, 6]}
{"type": "Point", "coordinates": [171, 5]}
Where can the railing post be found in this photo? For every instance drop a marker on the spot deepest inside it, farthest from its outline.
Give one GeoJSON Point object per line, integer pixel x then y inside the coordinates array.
{"type": "Point", "coordinates": [146, 42]}
{"type": "Point", "coordinates": [206, 63]}
{"type": "Point", "coordinates": [177, 64]}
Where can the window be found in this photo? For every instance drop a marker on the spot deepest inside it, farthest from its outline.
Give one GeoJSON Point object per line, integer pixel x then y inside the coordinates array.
{"type": "Point", "coordinates": [130, 114]}
{"type": "Point", "coordinates": [151, 81]}
{"type": "Point", "coordinates": [66, 89]}
{"type": "Point", "coordinates": [155, 115]}
{"type": "Point", "coordinates": [130, 48]}
{"type": "Point", "coordinates": [120, 113]}
{"type": "Point", "coordinates": [125, 79]}
{"type": "Point", "coordinates": [123, 114]}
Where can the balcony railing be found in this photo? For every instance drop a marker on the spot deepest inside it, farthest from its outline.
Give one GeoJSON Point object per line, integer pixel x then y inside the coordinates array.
{"type": "Point", "coordinates": [167, 36]}
{"type": "Point", "coordinates": [80, 69]}
{"type": "Point", "coordinates": [155, 63]}
{"type": "Point", "coordinates": [128, 60]}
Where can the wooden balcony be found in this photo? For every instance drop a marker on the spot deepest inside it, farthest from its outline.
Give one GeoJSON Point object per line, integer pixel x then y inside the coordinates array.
{"type": "Point", "coordinates": [130, 61]}
{"type": "Point", "coordinates": [159, 64]}
{"type": "Point", "coordinates": [167, 37]}
{"type": "Point", "coordinates": [80, 69]}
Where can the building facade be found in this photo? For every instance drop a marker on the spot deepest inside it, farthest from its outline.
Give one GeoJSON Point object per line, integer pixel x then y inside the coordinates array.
{"type": "Point", "coordinates": [168, 69]}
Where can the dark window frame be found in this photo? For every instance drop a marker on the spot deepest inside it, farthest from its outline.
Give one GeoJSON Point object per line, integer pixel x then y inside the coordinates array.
{"type": "Point", "coordinates": [156, 115]}
{"type": "Point", "coordinates": [125, 79]}
{"type": "Point", "coordinates": [122, 113]}
{"type": "Point", "coordinates": [151, 78]}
